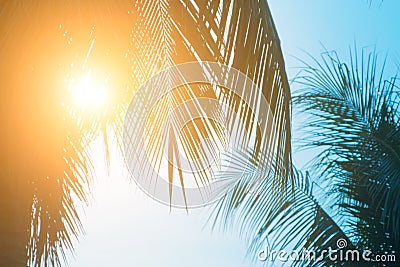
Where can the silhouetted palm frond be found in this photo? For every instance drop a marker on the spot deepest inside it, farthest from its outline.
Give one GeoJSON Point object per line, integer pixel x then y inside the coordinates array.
{"type": "Point", "coordinates": [239, 34]}
{"type": "Point", "coordinates": [45, 140]}
{"type": "Point", "coordinates": [289, 218]}
{"type": "Point", "coordinates": [45, 167]}
{"type": "Point", "coordinates": [355, 123]}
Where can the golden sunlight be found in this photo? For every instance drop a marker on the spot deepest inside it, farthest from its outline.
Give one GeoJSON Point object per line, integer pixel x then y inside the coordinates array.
{"type": "Point", "coordinates": [89, 91]}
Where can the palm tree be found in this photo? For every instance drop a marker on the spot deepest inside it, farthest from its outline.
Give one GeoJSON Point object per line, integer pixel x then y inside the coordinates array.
{"type": "Point", "coordinates": [232, 33]}
{"type": "Point", "coordinates": [45, 166]}
{"type": "Point", "coordinates": [354, 124]}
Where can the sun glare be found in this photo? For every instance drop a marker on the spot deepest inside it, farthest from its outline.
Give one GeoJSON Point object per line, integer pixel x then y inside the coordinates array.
{"type": "Point", "coordinates": [90, 91]}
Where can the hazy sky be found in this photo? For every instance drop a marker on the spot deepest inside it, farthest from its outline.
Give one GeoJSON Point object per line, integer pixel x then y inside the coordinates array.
{"type": "Point", "coordinates": [126, 228]}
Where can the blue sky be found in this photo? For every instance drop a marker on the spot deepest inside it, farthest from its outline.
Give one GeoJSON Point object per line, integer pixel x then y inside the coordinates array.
{"type": "Point", "coordinates": [125, 228]}
{"type": "Point", "coordinates": [310, 25]}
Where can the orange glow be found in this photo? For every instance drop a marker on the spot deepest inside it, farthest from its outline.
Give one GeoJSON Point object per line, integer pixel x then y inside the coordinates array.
{"type": "Point", "coordinates": [89, 91]}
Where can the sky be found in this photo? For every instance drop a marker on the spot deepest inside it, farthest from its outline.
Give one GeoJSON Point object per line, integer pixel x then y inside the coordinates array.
{"type": "Point", "coordinates": [126, 228]}
{"type": "Point", "coordinates": [311, 26]}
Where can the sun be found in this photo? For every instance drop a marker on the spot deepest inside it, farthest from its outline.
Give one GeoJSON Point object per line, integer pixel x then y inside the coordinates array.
{"type": "Point", "coordinates": [89, 91]}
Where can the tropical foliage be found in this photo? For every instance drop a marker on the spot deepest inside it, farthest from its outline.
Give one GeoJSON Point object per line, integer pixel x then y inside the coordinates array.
{"type": "Point", "coordinates": [166, 33]}
{"type": "Point", "coordinates": [353, 123]}
{"type": "Point", "coordinates": [45, 168]}
{"type": "Point", "coordinates": [45, 165]}
{"type": "Point", "coordinates": [355, 110]}
{"type": "Point", "coordinates": [45, 138]}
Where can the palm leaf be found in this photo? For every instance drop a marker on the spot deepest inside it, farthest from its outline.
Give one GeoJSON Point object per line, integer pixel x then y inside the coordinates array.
{"type": "Point", "coordinates": [233, 33]}
{"type": "Point", "coordinates": [289, 219]}
{"type": "Point", "coordinates": [355, 122]}
{"type": "Point", "coordinates": [56, 168]}
{"type": "Point", "coordinates": [45, 167]}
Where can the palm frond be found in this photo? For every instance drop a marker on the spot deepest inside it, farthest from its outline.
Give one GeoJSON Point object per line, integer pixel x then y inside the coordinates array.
{"type": "Point", "coordinates": [45, 167]}
{"type": "Point", "coordinates": [237, 34]}
{"type": "Point", "coordinates": [289, 219]}
{"type": "Point", "coordinates": [355, 121]}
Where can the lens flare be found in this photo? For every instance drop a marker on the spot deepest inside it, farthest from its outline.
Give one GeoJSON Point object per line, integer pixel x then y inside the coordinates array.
{"type": "Point", "coordinates": [90, 91]}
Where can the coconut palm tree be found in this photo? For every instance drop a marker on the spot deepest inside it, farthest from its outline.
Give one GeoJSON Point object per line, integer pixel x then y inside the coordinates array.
{"type": "Point", "coordinates": [45, 169]}
{"type": "Point", "coordinates": [47, 48]}
{"type": "Point", "coordinates": [45, 166]}
{"type": "Point", "coordinates": [232, 33]}
{"type": "Point", "coordinates": [354, 124]}
{"type": "Point", "coordinates": [355, 111]}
